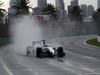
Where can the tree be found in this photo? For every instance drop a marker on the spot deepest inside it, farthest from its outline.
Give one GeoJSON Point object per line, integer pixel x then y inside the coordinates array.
{"type": "Point", "coordinates": [76, 14]}
{"type": "Point", "coordinates": [96, 13]}
{"type": "Point", "coordinates": [96, 17]}
{"type": "Point", "coordinates": [50, 10]}
{"type": "Point", "coordinates": [3, 12]}
{"type": "Point", "coordinates": [21, 7]}
{"type": "Point", "coordinates": [3, 27]}
{"type": "Point", "coordinates": [1, 3]}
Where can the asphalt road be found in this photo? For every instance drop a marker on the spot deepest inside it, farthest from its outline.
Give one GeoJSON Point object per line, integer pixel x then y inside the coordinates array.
{"type": "Point", "coordinates": [80, 59]}
{"type": "Point", "coordinates": [2, 70]}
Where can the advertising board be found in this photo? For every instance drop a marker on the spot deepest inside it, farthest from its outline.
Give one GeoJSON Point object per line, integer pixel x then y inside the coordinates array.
{"type": "Point", "coordinates": [41, 17]}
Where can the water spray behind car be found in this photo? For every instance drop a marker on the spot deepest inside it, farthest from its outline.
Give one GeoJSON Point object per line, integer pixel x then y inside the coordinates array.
{"type": "Point", "coordinates": [23, 31]}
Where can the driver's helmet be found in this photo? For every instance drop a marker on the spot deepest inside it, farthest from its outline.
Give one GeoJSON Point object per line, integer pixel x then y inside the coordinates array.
{"type": "Point", "coordinates": [43, 42]}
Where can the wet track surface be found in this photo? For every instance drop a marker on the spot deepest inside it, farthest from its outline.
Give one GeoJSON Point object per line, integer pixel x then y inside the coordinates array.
{"type": "Point", "coordinates": [2, 70]}
{"type": "Point", "coordinates": [80, 59]}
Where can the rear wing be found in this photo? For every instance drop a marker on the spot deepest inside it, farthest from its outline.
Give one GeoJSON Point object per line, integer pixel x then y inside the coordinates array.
{"type": "Point", "coordinates": [38, 42]}
{"type": "Point", "coordinates": [34, 42]}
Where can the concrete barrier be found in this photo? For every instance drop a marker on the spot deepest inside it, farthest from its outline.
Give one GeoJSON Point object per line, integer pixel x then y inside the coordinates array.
{"type": "Point", "coordinates": [98, 38]}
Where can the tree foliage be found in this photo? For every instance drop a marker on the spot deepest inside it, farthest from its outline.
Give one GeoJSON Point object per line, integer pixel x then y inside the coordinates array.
{"type": "Point", "coordinates": [1, 3]}
{"type": "Point", "coordinates": [76, 14]}
{"type": "Point", "coordinates": [96, 14]}
{"type": "Point", "coordinates": [50, 10]}
{"type": "Point", "coordinates": [3, 12]}
{"type": "Point", "coordinates": [21, 7]}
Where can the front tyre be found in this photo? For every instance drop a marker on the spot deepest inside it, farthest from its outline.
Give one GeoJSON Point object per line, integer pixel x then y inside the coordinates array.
{"type": "Point", "coordinates": [38, 52]}
{"type": "Point", "coordinates": [60, 52]}
{"type": "Point", "coordinates": [51, 55]}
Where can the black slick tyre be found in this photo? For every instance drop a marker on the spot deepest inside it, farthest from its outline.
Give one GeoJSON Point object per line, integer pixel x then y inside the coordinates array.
{"type": "Point", "coordinates": [27, 53]}
{"type": "Point", "coordinates": [38, 52]}
{"type": "Point", "coordinates": [60, 52]}
{"type": "Point", "coordinates": [51, 55]}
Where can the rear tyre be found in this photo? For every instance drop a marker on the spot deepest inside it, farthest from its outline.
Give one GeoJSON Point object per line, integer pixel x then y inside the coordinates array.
{"type": "Point", "coordinates": [38, 52]}
{"type": "Point", "coordinates": [28, 53]}
{"type": "Point", "coordinates": [60, 52]}
{"type": "Point", "coordinates": [28, 50]}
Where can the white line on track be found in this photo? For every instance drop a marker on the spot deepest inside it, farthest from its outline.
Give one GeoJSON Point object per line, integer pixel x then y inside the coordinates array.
{"type": "Point", "coordinates": [92, 74]}
{"type": "Point", "coordinates": [5, 67]}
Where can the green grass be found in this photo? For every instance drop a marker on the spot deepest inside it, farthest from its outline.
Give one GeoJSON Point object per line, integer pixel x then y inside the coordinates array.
{"type": "Point", "coordinates": [4, 41]}
{"type": "Point", "coordinates": [93, 42]}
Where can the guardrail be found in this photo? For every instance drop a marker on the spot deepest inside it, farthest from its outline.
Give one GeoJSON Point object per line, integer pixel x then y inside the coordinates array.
{"type": "Point", "coordinates": [5, 40]}
{"type": "Point", "coordinates": [78, 34]}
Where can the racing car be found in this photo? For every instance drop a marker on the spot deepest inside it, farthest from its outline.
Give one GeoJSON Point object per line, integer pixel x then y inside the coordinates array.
{"type": "Point", "coordinates": [41, 49]}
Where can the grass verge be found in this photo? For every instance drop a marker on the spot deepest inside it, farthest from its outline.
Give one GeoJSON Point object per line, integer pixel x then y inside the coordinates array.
{"type": "Point", "coordinates": [93, 42]}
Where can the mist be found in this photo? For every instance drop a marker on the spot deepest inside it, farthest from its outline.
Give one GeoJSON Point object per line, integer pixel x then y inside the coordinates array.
{"type": "Point", "coordinates": [24, 30]}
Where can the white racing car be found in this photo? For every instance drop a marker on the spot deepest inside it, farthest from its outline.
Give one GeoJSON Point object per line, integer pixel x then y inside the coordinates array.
{"type": "Point", "coordinates": [40, 49]}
